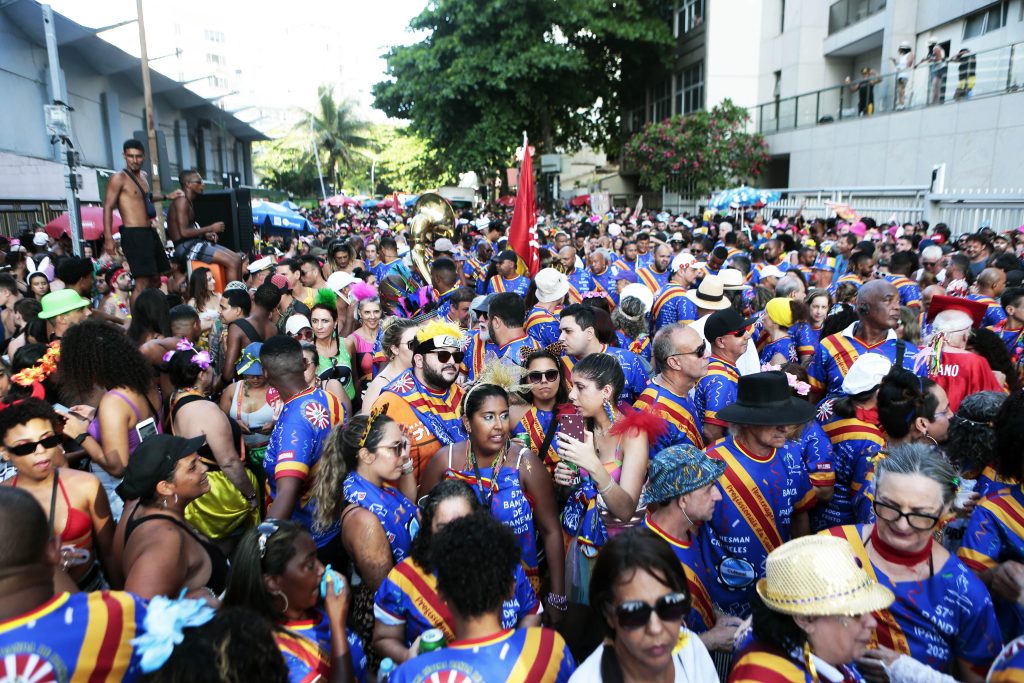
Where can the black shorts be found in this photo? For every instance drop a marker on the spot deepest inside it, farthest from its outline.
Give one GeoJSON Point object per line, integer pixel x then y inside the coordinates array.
{"type": "Point", "coordinates": [196, 250]}
{"type": "Point", "coordinates": [144, 252]}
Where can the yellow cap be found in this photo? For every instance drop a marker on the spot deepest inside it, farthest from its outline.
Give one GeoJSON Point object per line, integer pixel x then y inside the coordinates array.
{"type": "Point", "coordinates": [780, 311]}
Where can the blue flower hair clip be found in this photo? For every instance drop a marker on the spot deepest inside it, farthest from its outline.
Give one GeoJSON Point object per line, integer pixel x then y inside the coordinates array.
{"type": "Point", "coordinates": [164, 626]}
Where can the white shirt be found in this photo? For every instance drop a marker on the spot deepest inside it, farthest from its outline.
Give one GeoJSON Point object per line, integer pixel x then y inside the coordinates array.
{"type": "Point", "coordinates": [747, 364]}
{"type": "Point", "coordinates": [692, 663]}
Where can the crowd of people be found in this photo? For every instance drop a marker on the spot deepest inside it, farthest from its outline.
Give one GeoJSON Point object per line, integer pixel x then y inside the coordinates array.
{"type": "Point", "coordinates": [687, 448]}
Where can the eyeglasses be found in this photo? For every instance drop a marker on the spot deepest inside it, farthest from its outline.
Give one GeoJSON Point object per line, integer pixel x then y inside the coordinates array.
{"type": "Point", "coordinates": [411, 344]}
{"type": "Point", "coordinates": [445, 356]}
{"type": "Point", "coordinates": [536, 377]}
{"type": "Point", "coordinates": [929, 264]}
{"type": "Point", "coordinates": [699, 351]}
{"type": "Point", "coordinates": [396, 450]}
{"type": "Point", "coordinates": [29, 448]}
{"type": "Point", "coordinates": [916, 520]}
{"type": "Point", "coordinates": [265, 531]}
{"type": "Point", "coordinates": [636, 613]}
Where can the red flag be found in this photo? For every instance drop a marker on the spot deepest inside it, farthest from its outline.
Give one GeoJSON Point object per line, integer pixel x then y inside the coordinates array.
{"type": "Point", "coordinates": [522, 235]}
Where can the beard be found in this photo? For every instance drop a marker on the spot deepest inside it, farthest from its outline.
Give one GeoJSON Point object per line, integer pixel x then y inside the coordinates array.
{"type": "Point", "coordinates": [436, 379]}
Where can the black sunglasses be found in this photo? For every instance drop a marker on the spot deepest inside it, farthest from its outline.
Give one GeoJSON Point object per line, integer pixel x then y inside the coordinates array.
{"type": "Point", "coordinates": [536, 377]}
{"type": "Point", "coordinates": [30, 448]}
{"type": "Point", "coordinates": [445, 356]}
{"type": "Point", "coordinates": [636, 613]}
{"type": "Point", "coordinates": [266, 530]}
{"type": "Point", "coordinates": [699, 351]}
{"type": "Point", "coordinates": [916, 520]}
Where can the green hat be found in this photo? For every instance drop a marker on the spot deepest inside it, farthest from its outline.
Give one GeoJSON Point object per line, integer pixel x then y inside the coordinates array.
{"type": "Point", "coordinates": [60, 302]}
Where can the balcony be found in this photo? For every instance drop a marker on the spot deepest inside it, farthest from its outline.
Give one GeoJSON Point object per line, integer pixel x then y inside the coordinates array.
{"type": "Point", "coordinates": [849, 12]}
{"type": "Point", "coordinates": [996, 71]}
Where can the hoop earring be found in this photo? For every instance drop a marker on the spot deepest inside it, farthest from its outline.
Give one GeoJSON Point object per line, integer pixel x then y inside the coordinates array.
{"type": "Point", "coordinates": [609, 411]}
{"type": "Point", "coordinates": [281, 594]}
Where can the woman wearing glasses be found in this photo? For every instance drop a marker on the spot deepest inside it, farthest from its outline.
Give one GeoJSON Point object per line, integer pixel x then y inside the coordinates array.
{"type": "Point", "coordinates": [276, 574]}
{"type": "Point", "coordinates": [943, 615]}
{"type": "Point", "coordinates": [75, 502]}
{"type": "Point", "coordinates": [510, 482]}
{"type": "Point", "coordinates": [408, 603]}
{"type": "Point", "coordinates": [639, 593]}
{"type": "Point", "coordinates": [368, 461]}
{"type": "Point", "coordinates": [547, 391]}
{"type": "Point", "coordinates": [397, 341]}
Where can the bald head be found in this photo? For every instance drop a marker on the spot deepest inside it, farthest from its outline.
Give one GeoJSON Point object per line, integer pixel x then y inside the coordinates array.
{"type": "Point", "coordinates": [567, 257]}
{"type": "Point", "coordinates": [878, 305]}
{"type": "Point", "coordinates": [873, 290]}
{"type": "Point", "coordinates": [928, 292]}
{"type": "Point", "coordinates": [992, 281]}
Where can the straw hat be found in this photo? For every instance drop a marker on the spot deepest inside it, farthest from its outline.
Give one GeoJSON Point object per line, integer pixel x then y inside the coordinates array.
{"type": "Point", "coordinates": [819, 576]}
{"type": "Point", "coordinates": [710, 295]}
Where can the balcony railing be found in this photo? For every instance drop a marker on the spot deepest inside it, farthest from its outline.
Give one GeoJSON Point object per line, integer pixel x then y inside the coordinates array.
{"type": "Point", "coordinates": [848, 12]}
{"type": "Point", "coordinates": [996, 71]}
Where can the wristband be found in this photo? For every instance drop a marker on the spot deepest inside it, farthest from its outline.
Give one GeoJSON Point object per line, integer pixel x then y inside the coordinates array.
{"type": "Point", "coordinates": [607, 487]}
{"type": "Point", "coordinates": [80, 439]}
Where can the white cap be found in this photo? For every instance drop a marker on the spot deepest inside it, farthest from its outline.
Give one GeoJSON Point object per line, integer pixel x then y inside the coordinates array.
{"type": "Point", "coordinates": [552, 285]}
{"type": "Point", "coordinates": [296, 323]}
{"type": "Point", "coordinates": [444, 244]}
{"type": "Point", "coordinates": [647, 224]}
{"type": "Point", "coordinates": [260, 264]}
{"type": "Point", "coordinates": [40, 239]}
{"type": "Point", "coordinates": [614, 229]}
{"type": "Point", "coordinates": [676, 237]}
{"type": "Point", "coordinates": [866, 373]}
{"type": "Point", "coordinates": [771, 271]}
{"type": "Point", "coordinates": [481, 223]}
{"type": "Point", "coordinates": [382, 225]}
{"type": "Point", "coordinates": [339, 280]}
{"type": "Point", "coordinates": [683, 260]}
{"type": "Point", "coordinates": [639, 291]}
{"type": "Point", "coordinates": [686, 224]}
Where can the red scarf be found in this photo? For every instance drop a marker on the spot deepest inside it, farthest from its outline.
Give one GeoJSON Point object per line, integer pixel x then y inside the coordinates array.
{"type": "Point", "coordinates": [897, 556]}
{"type": "Point", "coordinates": [869, 415]}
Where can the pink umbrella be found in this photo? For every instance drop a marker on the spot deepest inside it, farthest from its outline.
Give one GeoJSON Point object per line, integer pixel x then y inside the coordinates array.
{"type": "Point", "coordinates": [92, 224]}
{"type": "Point", "coordinates": [581, 200]}
{"type": "Point", "coordinates": [507, 200]}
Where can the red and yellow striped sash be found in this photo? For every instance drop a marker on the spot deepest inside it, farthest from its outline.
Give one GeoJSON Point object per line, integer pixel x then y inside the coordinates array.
{"type": "Point", "coordinates": [699, 597]}
{"type": "Point", "coordinates": [671, 292]}
{"type": "Point", "coordinates": [664, 406]}
{"type": "Point", "coordinates": [648, 279]}
{"type": "Point", "coordinates": [106, 648]}
{"type": "Point", "coordinates": [307, 652]}
{"type": "Point", "coordinates": [842, 351]}
{"type": "Point", "coordinates": [479, 352]}
{"type": "Point", "coordinates": [422, 590]}
{"type": "Point", "coordinates": [498, 284]}
{"type": "Point", "coordinates": [600, 288]}
{"type": "Point", "coordinates": [538, 661]}
{"type": "Point", "coordinates": [745, 494]}
{"type": "Point", "coordinates": [535, 430]}
{"type": "Point", "coordinates": [888, 632]}
{"type": "Point", "coordinates": [853, 429]}
{"type": "Point", "coordinates": [758, 666]}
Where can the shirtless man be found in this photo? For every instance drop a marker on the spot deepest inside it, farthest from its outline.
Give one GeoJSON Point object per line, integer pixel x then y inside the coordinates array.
{"type": "Point", "coordinates": [129, 193]}
{"type": "Point", "coordinates": [192, 241]}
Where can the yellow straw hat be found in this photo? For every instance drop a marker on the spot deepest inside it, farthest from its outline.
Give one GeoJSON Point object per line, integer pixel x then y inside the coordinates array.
{"type": "Point", "coordinates": [819, 576]}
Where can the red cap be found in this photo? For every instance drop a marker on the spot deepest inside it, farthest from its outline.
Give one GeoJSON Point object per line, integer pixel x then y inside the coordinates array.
{"type": "Point", "coordinates": [941, 303]}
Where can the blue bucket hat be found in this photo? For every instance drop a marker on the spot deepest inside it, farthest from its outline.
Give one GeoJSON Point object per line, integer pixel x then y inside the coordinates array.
{"type": "Point", "coordinates": [248, 363]}
{"type": "Point", "coordinates": [678, 470]}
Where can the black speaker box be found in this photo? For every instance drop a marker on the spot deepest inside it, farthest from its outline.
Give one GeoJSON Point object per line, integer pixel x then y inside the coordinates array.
{"type": "Point", "coordinates": [234, 208]}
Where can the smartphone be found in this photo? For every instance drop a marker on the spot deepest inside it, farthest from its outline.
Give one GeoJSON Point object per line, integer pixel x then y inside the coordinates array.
{"type": "Point", "coordinates": [146, 429]}
{"type": "Point", "coordinates": [61, 409]}
{"type": "Point", "coordinates": [572, 425]}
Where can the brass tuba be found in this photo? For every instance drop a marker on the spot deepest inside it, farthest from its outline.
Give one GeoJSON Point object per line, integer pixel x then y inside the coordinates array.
{"type": "Point", "coordinates": [433, 218]}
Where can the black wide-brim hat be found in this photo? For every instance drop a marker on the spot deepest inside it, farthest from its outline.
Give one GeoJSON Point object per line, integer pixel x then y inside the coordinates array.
{"type": "Point", "coordinates": [765, 399]}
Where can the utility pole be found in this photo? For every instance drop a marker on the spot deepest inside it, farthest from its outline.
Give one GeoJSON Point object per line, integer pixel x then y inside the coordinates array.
{"type": "Point", "coordinates": [316, 155]}
{"type": "Point", "coordinates": [147, 94]}
{"type": "Point", "coordinates": [58, 124]}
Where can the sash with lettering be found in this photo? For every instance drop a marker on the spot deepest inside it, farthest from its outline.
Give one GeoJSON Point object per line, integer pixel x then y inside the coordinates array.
{"type": "Point", "coordinates": [747, 496]}
{"type": "Point", "coordinates": [397, 514]}
{"type": "Point", "coordinates": [438, 413]}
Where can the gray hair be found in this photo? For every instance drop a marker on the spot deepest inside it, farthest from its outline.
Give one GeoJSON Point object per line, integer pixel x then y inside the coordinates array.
{"type": "Point", "coordinates": [931, 252]}
{"type": "Point", "coordinates": [951, 321]}
{"type": "Point", "coordinates": [663, 346]}
{"type": "Point", "coordinates": [786, 287]}
{"type": "Point", "coordinates": [922, 459]}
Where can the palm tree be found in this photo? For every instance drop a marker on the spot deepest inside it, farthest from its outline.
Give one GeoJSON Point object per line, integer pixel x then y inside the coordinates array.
{"type": "Point", "coordinates": [337, 132]}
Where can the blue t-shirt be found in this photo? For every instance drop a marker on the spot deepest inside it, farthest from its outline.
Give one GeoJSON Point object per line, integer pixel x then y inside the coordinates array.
{"type": "Point", "coordinates": [306, 648]}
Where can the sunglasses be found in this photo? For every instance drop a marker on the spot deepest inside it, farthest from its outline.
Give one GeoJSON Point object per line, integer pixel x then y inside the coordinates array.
{"type": "Point", "coordinates": [916, 520]}
{"type": "Point", "coordinates": [699, 351]}
{"type": "Point", "coordinates": [265, 531]}
{"type": "Point", "coordinates": [304, 335]}
{"type": "Point", "coordinates": [636, 613]}
{"type": "Point", "coordinates": [739, 333]}
{"type": "Point", "coordinates": [29, 448]}
{"type": "Point", "coordinates": [536, 377]}
{"type": "Point", "coordinates": [445, 356]}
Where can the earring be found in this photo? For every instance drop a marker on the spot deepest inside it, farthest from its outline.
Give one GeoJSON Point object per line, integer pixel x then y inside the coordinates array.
{"type": "Point", "coordinates": [609, 411]}
{"type": "Point", "coordinates": [285, 597]}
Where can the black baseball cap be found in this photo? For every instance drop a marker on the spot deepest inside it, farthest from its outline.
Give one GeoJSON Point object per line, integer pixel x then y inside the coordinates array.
{"type": "Point", "coordinates": [507, 255]}
{"type": "Point", "coordinates": [723, 322]}
{"type": "Point", "coordinates": [153, 461]}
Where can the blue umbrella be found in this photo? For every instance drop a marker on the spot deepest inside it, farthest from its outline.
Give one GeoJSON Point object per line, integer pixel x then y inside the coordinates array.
{"type": "Point", "coordinates": [277, 216]}
{"type": "Point", "coordinates": [290, 205]}
{"type": "Point", "coordinates": [370, 204]}
{"type": "Point", "coordinates": [410, 201]}
{"type": "Point", "coordinates": [743, 196]}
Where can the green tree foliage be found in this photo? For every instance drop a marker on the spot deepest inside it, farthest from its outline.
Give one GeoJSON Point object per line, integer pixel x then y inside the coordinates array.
{"type": "Point", "coordinates": [490, 69]}
{"type": "Point", "coordinates": [405, 163]}
{"type": "Point", "coordinates": [286, 163]}
{"type": "Point", "coordinates": [341, 136]}
{"type": "Point", "coordinates": [705, 151]}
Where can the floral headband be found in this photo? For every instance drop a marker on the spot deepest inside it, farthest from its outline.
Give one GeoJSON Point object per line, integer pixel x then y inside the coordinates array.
{"type": "Point", "coordinates": [201, 358]}
{"type": "Point", "coordinates": [801, 388]}
{"type": "Point", "coordinates": [43, 368]}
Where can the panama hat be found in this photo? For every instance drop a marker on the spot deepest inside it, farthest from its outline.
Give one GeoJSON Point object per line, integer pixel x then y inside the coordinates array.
{"type": "Point", "coordinates": [552, 285]}
{"type": "Point", "coordinates": [820, 576]}
{"type": "Point", "coordinates": [732, 279]}
{"type": "Point", "coordinates": [60, 302]}
{"type": "Point", "coordinates": [764, 398]}
{"type": "Point", "coordinates": [710, 295]}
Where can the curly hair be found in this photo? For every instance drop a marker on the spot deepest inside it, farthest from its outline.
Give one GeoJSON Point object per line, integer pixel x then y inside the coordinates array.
{"type": "Point", "coordinates": [339, 457]}
{"type": "Point", "coordinates": [236, 646]}
{"type": "Point", "coordinates": [841, 316]}
{"type": "Point", "coordinates": [629, 317]}
{"type": "Point", "coordinates": [24, 411]}
{"type": "Point", "coordinates": [970, 438]}
{"type": "Point", "coordinates": [245, 584]}
{"type": "Point", "coordinates": [445, 490]}
{"type": "Point", "coordinates": [490, 548]}
{"type": "Point", "coordinates": [95, 353]}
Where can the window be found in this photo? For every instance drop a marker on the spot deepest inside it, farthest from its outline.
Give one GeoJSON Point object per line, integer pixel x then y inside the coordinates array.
{"type": "Point", "coordinates": [689, 16]}
{"type": "Point", "coordinates": [218, 82]}
{"type": "Point", "coordinates": [690, 89]}
{"type": "Point", "coordinates": [985, 20]}
{"type": "Point", "coordinates": [215, 59]}
{"type": "Point", "coordinates": [661, 101]}
{"type": "Point", "coordinates": [214, 36]}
